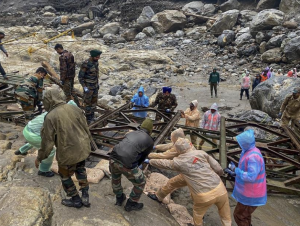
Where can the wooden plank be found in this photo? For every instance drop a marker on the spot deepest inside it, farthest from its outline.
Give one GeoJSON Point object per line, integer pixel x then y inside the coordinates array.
{"type": "Point", "coordinates": [292, 181]}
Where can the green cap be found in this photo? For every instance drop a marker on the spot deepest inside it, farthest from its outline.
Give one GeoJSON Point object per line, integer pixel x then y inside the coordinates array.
{"type": "Point", "coordinates": [147, 125]}
{"type": "Point", "coordinates": [95, 53]}
{"type": "Point", "coordinates": [296, 90]}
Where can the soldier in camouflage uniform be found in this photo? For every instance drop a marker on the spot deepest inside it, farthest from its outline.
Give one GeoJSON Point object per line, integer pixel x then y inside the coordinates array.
{"type": "Point", "coordinates": [2, 72]}
{"type": "Point", "coordinates": [30, 93]}
{"type": "Point", "coordinates": [88, 78]}
{"type": "Point", "coordinates": [67, 72]}
{"type": "Point", "coordinates": [125, 159]}
{"type": "Point", "coordinates": [166, 101]}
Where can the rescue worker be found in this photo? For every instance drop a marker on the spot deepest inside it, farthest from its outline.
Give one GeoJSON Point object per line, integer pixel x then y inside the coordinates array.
{"type": "Point", "coordinates": [192, 116]}
{"type": "Point", "coordinates": [29, 94]}
{"type": "Point", "coordinates": [66, 128]}
{"type": "Point", "coordinates": [211, 121]}
{"type": "Point", "coordinates": [245, 86]}
{"type": "Point", "coordinates": [290, 108]}
{"type": "Point", "coordinates": [67, 71]}
{"type": "Point", "coordinates": [88, 78]}
{"type": "Point", "coordinates": [125, 159]}
{"type": "Point", "coordinates": [201, 173]}
{"type": "Point", "coordinates": [214, 79]}
{"type": "Point", "coordinates": [2, 71]}
{"type": "Point", "coordinates": [264, 76]}
{"type": "Point", "coordinates": [165, 101]}
{"type": "Point", "coordinates": [279, 72]}
{"type": "Point", "coordinates": [256, 81]}
{"type": "Point", "coordinates": [250, 189]}
{"type": "Point", "coordinates": [140, 100]}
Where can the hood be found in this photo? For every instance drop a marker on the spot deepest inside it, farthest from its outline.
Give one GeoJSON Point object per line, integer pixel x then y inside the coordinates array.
{"type": "Point", "coordinates": [147, 125]}
{"type": "Point", "coordinates": [246, 140]}
{"type": "Point", "coordinates": [52, 98]}
{"type": "Point", "coordinates": [183, 145]}
{"type": "Point", "coordinates": [141, 89]}
{"type": "Point", "coordinates": [177, 134]}
{"type": "Point", "coordinates": [195, 103]}
{"type": "Point", "coordinates": [214, 106]}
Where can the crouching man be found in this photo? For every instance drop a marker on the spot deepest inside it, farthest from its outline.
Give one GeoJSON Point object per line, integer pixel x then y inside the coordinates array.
{"type": "Point", "coordinates": [125, 159]}
{"type": "Point", "coordinates": [65, 127]}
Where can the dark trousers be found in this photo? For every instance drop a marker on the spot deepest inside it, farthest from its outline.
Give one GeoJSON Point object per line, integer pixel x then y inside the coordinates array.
{"type": "Point", "coordinates": [66, 172]}
{"type": "Point", "coordinates": [242, 214]}
{"type": "Point", "coordinates": [2, 70]}
{"type": "Point", "coordinates": [246, 91]}
{"type": "Point", "coordinates": [214, 85]}
{"type": "Point", "coordinates": [90, 102]}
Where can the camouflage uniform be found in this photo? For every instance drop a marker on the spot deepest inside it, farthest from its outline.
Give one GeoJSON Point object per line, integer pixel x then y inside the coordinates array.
{"type": "Point", "coordinates": [135, 176]}
{"type": "Point", "coordinates": [29, 93]}
{"type": "Point", "coordinates": [67, 74]}
{"type": "Point", "coordinates": [66, 172]}
{"type": "Point", "coordinates": [165, 102]}
{"type": "Point", "coordinates": [88, 77]}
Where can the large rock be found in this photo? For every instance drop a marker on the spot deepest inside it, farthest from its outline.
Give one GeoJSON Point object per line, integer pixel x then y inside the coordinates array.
{"type": "Point", "coordinates": [243, 39]}
{"type": "Point", "coordinates": [269, 95]}
{"type": "Point", "coordinates": [253, 116]}
{"type": "Point", "coordinates": [169, 20]}
{"type": "Point", "coordinates": [290, 7]}
{"type": "Point", "coordinates": [266, 20]}
{"type": "Point", "coordinates": [292, 50]}
{"type": "Point", "coordinates": [229, 5]}
{"type": "Point", "coordinates": [267, 4]}
{"type": "Point", "coordinates": [195, 7]}
{"type": "Point", "coordinates": [226, 21]}
{"type": "Point", "coordinates": [226, 38]}
{"type": "Point", "coordinates": [144, 19]}
{"type": "Point", "coordinates": [247, 16]}
{"type": "Point", "coordinates": [129, 35]}
{"type": "Point", "coordinates": [247, 50]}
{"type": "Point", "coordinates": [272, 56]}
{"type": "Point", "coordinates": [110, 28]}
{"type": "Point", "coordinates": [149, 31]}
{"type": "Point", "coordinates": [208, 10]}
{"type": "Point", "coordinates": [79, 29]}
{"type": "Point", "coordinates": [275, 41]}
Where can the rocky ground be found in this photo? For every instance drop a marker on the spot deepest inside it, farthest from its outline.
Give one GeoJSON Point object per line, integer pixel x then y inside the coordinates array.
{"type": "Point", "coordinates": [144, 45]}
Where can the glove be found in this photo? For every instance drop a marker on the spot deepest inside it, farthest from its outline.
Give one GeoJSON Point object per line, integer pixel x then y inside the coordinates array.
{"type": "Point", "coordinates": [146, 161]}
{"type": "Point", "coordinates": [40, 105]}
{"type": "Point", "coordinates": [168, 110]}
{"type": "Point", "coordinates": [231, 166]}
{"type": "Point", "coordinates": [86, 89]}
{"type": "Point", "coordinates": [154, 147]}
{"type": "Point", "coordinates": [62, 82]}
{"type": "Point", "coordinates": [279, 115]}
{"type": "Point", "coordinates": [229, 172]}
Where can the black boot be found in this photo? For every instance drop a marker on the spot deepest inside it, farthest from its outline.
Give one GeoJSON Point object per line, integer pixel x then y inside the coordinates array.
{"type": "Point", "coordinates": [85, 197]}
{"type": "Point", "coordinates": [154, 197]}
{"type": "Point", "coordinates": [120, 200]}
{"type": "Point", "coordinates": [241, 98]}
{"type": "Point", "coordinates": [75, 201]}
{"type": "Point", "coordinates": [130, 205]}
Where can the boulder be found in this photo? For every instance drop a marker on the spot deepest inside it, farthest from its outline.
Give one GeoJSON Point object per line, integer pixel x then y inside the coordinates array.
{"type": "Point", "coordinates": [247, 16]}
{"type": "Point", "coordinates": [292, 50]}
{"type": "Point", "coordinates": [290, 7]}
{"type": "Point", "coordinates": [196, 32]}
{"type": "Point", "coordinates": [49, 9]}
{"type": "Point", "coordinates": [263, 36]}
{"type": "Point", "coordinates": [226, 21]}
{"type": "Point", "coordinates": [144, 19]}
{"type": "Point", "coordinates": [149, 31]}
{"type": "Point", "coordinates": [64, 20]}
{"type": "Point", "coordinates": [179, 33]}
{"type": "Point", "coordinates": [229, 5]}
{"type": "Point", "coordinates": [276, 41]}
{"type": "Point", "coordinates": [290, 24]}
{"type": "Point", "coordinates": [129, 35]}
{"type": "Point", "coordinates": [267, 4]}
{"type": "Point", "coordinates": [195, 7]}
{"type": "Point", "coordinates": [226, 38]}
{"type": "Point", "coordinates": [266, 20]}
{"type": "Point", "coordinates": [243, 31]}
{"type": "Point", "coordinates": [140, 36]}
{"type": "Point", "coordinates": [180, 214]}
{"type": "Point", "coordinates": [79, 29]}
{"type": "Point", "coordinates": [269, 95]}
{"type": "Point", "coordinates": [272, 56]}
{"type": "Point", "coordinates": [48, 14]}
{"type": "Point", "coordinates": [243, 39]}
{"type": "Point", "coordinates": [208, 10]}
{"type": "Point", "coordinates": [253, 116]}
{"type": "Point", "coordinates": [170, 20]}
{"type": "Point", "coordinates": [263, 47]}
{"type": "Point", "coordinates": [247, 50]}
{"type": "Point", "coordinates": [115, 90]}
{"type": "Point", "coordinates": [110, 28]}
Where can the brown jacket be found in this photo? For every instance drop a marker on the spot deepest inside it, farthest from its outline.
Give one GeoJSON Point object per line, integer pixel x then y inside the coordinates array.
{"type": "Point", "coordinates": [65, 127]}
{"type": "Point", "coordinates": [67, 65]}
{"type": "Point", "coordinates": [192, 117]}
{"type": "Point", "coordinates": [291, 107]}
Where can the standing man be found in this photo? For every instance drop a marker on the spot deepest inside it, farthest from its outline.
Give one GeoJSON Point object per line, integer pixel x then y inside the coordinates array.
{"type": "Point", "coordinates": [88, 78]}
{"type": "Point", "coordinates": [3, 73]}
{"type": "Point", "coordinates": [245, 86]}
{"type": "Point", "coordinates": [211, 121]}
{"type": "Point", "coordinates": [250, 189]}
{"type": "Point", "coordinates": [264, 76]}
{"type": "Point", "coordinates": [67, 71]}
{"type": "Point", "coordinates": [30, 93]}
{"type": "Point", "coordinates": [66, 128]}
{"type": "Point", "coordinates": [125, 159]}
{"type": "Point", "coordinates": [192, 116]}
{"type": "Point", "coordinates": [165, 101]}
{"type": "Point", "coordinates": [290, 108]}
{"type": "Point", "coordinates": [214, 80]}
{"type": "Point", "coordinates": [140, 100]}
{"type": "Point", "coordinates": [256, 81]}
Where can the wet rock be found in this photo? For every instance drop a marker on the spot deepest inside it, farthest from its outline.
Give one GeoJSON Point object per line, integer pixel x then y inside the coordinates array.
{"type": "Point", "coordinates": [254, 116]}
{"type": "Point", "coordinates": [272, 56]}
{"type": "Point", "coordinates": [290, 7]}
{"type": "Point", "coordinates": [49, 9]}
{"type": "Point", "coordinates": [229, 5]}
{"type": "Point", "coordinates": [292, 50]}
{"type": "Point", "coordinates": [290, 24]}
{"type": "Point", "coordinates": [243, 31]}
{"type": "Point", "coordinates": [267, 4]}
{"type": "Point", "coordinates": [247, 16]}
{"type": "Point", "coordinates": [208, 10]}
{"type": "Point", "coordinates": [263, 47]}
{"type": "Point", "coordinates": [149, 31]}
{"type": "Point", "coordinates": [129, 35]}
{"type": "Point", "coordinates": [275, 41]}
{"type": "Point", "coordinates": [227, 37]}
{"type": "Point", "coordinates": [247, 50]}
{"type": "Point", "coordinates": [110, 28]}
{"type": "Point", "coordinates": [266, 20]}
{"type": "Point", "coordinates": [169, 20]}
{"type": "Point", "coordinates": [180, 214]}
{"type": "Point", "coordinates": [115, 90]}
{"type": "Point", "coordinates": [195, 7]}
{"type": "Point", "coordinates": [269, 95]}
{"type": "Point", "coordinates": [243, 39]}
{"type": "Point", "coordinates": [144, 19]}
{"type": "Point", "coordinates": [179, 33]}
{"type": "Point", "coordinates": [48, 14]}
{"type": "Point", "coordinates": [150, 91]}
{"type": "Point", "coordinates": [226, 21]}
{"type": "Point", "coordinates": [140, 36]}
{"type": "Point", "coordinates": [79, 29]}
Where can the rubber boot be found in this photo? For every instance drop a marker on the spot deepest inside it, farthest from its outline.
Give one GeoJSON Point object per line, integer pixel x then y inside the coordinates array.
{"type": "Point", "coordinates": [120, 200]}
{"type": "Point", "coordinates": [75, 201]}
{"type": "Point", "coordinates": [130, 205]}
{"type": "Point", "coordinates": [241, 97]}
{"type": "Point", "coordinates": [85, 197]}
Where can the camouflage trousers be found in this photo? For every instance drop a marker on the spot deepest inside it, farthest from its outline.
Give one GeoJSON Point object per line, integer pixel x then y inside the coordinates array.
{"type": "Point", "coordinates": [68, 89]}
{"type": "Point", "coordinates": [66, 172]}
{"type": "Point", "coordinates": [90, 103]}
{"type": "Point", "coordinates": [135, 176]}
